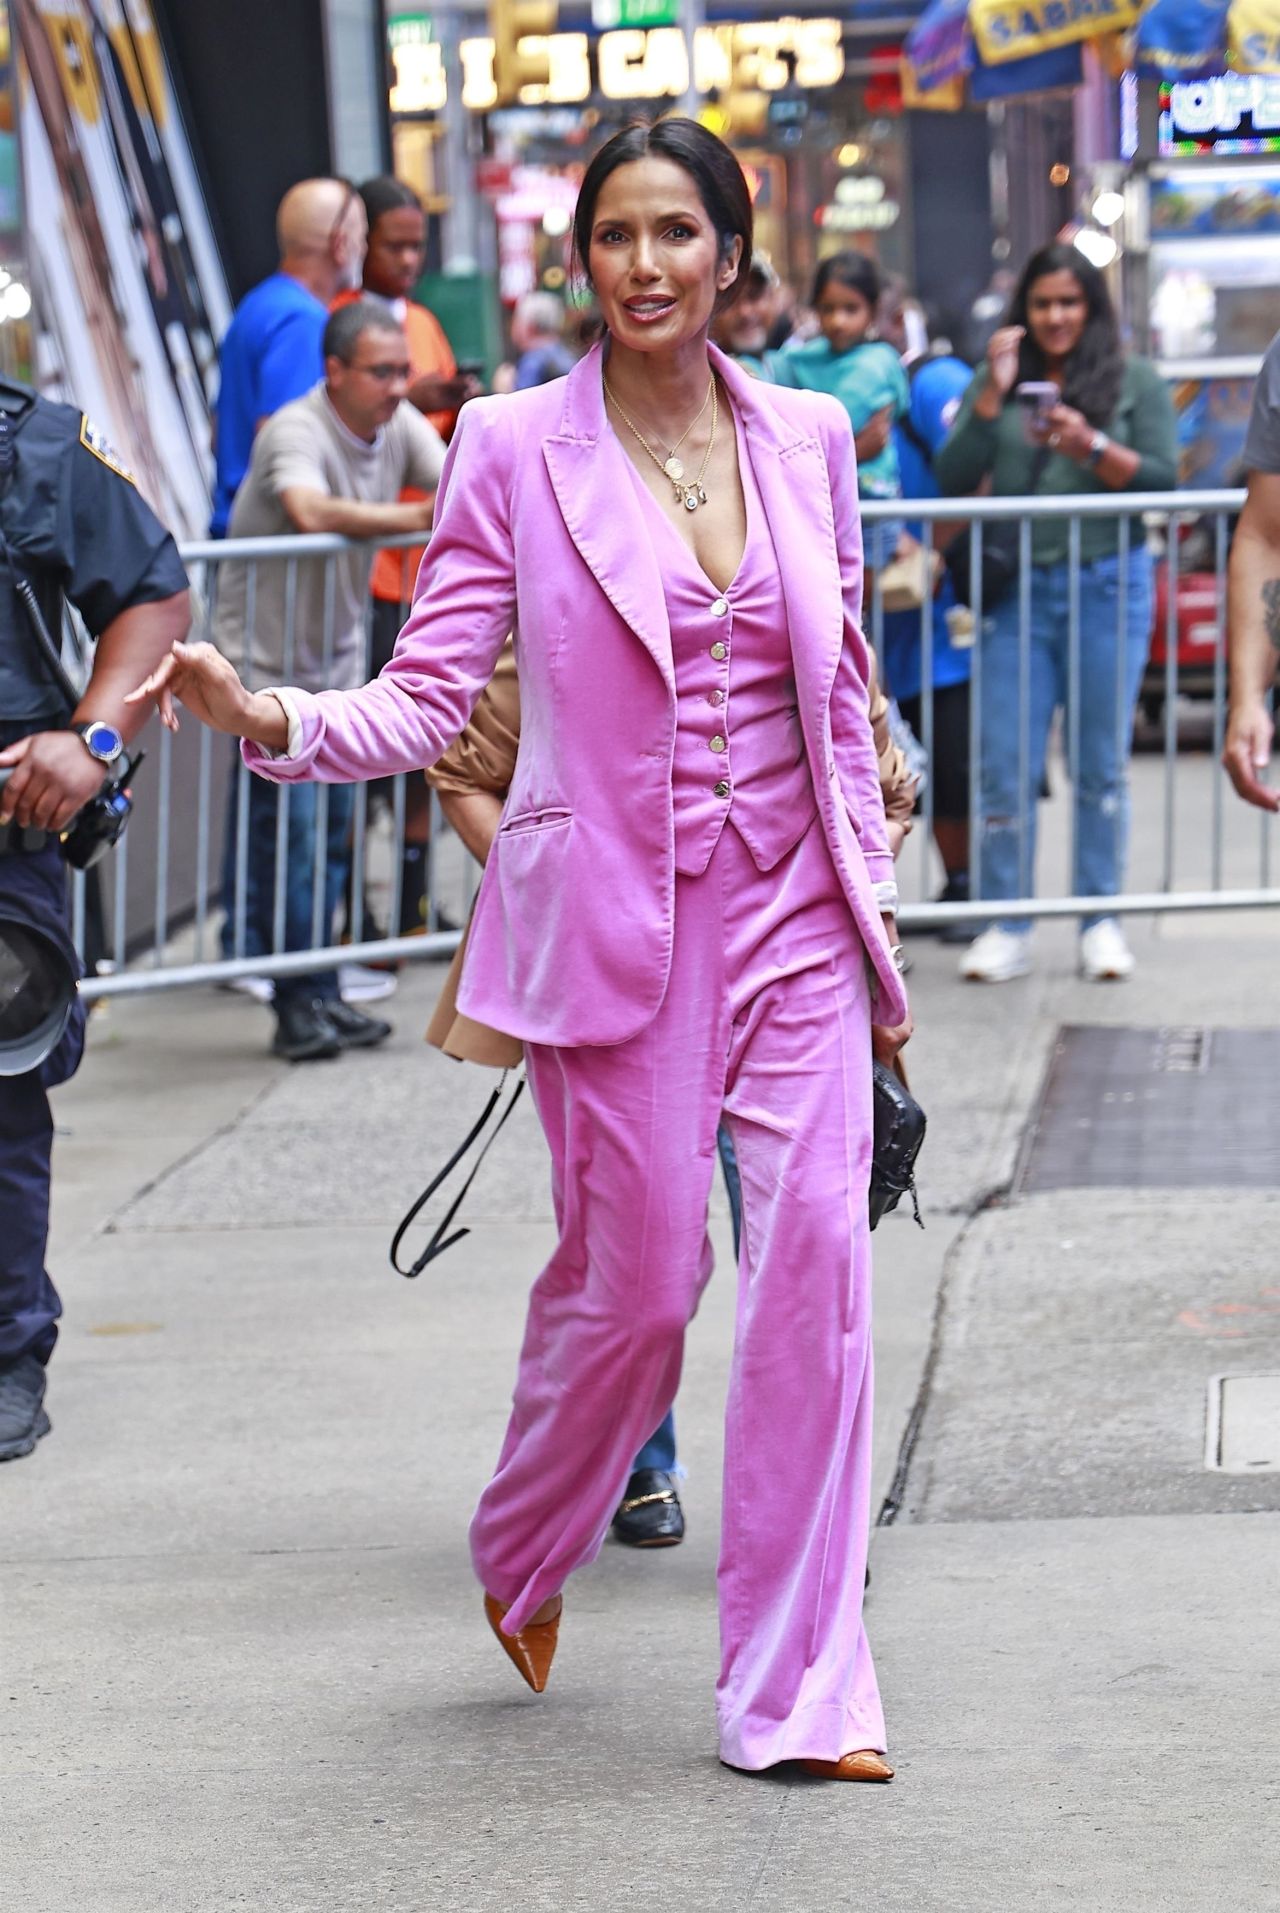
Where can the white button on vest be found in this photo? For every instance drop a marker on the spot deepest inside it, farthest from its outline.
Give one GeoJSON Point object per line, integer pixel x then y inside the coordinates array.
{"type": "Point", "coordinates": [719, 608]}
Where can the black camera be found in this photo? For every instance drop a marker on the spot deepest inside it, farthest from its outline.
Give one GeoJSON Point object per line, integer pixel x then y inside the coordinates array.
{"type": "Point", "coordinates": [99, 827]}
{"type": "Point", "coordinates": [100, 824]}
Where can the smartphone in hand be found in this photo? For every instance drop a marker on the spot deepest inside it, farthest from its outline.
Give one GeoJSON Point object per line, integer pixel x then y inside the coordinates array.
{"type": "Point", "coordinates": [1036, 399]}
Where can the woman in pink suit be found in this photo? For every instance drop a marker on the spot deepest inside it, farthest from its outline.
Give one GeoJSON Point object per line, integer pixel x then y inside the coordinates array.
{"type": "Point", "coordinates": [688, 910]}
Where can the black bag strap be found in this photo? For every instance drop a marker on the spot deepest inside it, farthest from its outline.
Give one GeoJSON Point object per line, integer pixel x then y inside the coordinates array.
{"type": "Point", "coordinates": [437, 1246]}
{"type": "Point", "coordinates": [1039, 465]}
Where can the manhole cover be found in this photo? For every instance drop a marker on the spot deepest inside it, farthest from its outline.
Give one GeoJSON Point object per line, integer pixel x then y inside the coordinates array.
{"type": "Point", "coordinates": [1242, 1435]}
{"type": "Point", "coordinates": [1156, 1109]}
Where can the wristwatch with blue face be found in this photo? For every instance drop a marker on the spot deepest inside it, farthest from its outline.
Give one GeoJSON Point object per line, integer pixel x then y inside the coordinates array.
{"type": "Point", "coordinates": [102, 741]}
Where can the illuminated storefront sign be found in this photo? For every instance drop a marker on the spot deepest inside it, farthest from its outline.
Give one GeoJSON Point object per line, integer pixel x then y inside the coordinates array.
{"type": "Point", "coordinates": [860, 205]}
{"type": "Point", "coordinates": [631, 64]}
{"type": "Point", "coordinates": [1232, 113]}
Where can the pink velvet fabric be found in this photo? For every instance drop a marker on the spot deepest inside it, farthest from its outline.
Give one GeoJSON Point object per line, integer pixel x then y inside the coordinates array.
{"type": "Point", "coordinates": [746, 699]}
{"type": "Point", "coordinates": [767, 1017]}
{"type": "Point", "coordinates": [571, 937]}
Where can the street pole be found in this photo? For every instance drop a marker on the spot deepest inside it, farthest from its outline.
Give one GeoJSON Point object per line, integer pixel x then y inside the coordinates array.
{"type": "Point", "coordinates": [691, 15]}
{"type": "Point", "coordinates": [463, 235]}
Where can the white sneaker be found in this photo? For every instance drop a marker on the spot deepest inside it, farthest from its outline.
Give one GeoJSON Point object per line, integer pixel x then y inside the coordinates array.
{"type": "Point", "coordinates": [359, 984]}
{"type": "Point", "coordinates": [1105, 957]}
{"type": "Point", "coordinates": [997, 956]}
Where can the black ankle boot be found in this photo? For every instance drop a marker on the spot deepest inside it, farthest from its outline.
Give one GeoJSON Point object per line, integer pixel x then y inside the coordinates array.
{"type": "Point", "coordinates": [304, 1033]}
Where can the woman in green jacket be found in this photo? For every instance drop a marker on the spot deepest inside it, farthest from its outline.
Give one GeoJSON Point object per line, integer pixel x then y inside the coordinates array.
{"type": "Point", "coordinates": [1109, 427]}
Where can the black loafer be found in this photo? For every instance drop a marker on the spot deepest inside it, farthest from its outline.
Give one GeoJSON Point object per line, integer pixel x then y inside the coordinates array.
{"type": "Point", "coordinates": [650, 1515]}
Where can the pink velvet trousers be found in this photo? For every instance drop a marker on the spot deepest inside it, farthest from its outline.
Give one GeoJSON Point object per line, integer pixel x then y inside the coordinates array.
{"type": "Point", "coordinates": [766, 1017]}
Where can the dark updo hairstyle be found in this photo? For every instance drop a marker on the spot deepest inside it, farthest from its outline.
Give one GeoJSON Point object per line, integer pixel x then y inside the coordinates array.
{"type": "Point", "coordinates": [710, 165]}
{"type": "Point", "coordinates": [387, 195]}
{"type": "Point", "coordinates": [1095, 370]}
{"type": "Point", "coordinates": [851, 269]}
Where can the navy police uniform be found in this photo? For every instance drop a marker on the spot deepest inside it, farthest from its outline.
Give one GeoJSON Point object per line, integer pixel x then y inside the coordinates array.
{"type": "Point", "coordinates": [74, 523]}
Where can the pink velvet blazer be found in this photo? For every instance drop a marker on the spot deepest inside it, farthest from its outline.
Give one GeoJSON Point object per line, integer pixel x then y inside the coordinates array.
{"type": "Point", "coordinates": [536, 529]}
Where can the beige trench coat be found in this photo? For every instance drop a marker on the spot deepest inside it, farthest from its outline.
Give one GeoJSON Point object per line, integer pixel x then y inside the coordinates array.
{"type": "Point", "coordinates": [483, 759]}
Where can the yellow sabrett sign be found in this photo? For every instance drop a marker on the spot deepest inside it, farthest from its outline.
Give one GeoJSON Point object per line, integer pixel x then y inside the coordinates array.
{"type": "Point", "coordinates": [1012, 29]}
{"type": "Point", "coordinates": [1255, 36]}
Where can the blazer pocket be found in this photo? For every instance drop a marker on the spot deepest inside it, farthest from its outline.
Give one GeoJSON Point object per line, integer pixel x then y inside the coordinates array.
{"type": "Point", "coordinates": [526, 821]}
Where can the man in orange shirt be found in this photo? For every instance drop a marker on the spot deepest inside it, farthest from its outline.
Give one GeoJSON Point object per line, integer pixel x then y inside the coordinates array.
{"type": "Point", "coordinates": [392, 267]}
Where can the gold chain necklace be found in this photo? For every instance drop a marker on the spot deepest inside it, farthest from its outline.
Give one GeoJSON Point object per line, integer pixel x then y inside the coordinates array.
{"type": "Point", "coordinates": [693, 495]}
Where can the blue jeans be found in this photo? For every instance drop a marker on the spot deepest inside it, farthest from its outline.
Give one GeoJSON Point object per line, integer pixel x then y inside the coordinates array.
{"type": "Point", "coordinates": [302, 852]}
{"type": "Point", "coordinates": [1113, 642]}
{"type": "Point", "coordinates": [660, 1449]}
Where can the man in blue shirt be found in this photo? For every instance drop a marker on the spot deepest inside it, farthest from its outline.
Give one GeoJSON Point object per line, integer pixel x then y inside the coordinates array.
{"type": "Point", "coordinates": [271, 353]}
{"type": "Point", "coordinates": [938, 382]}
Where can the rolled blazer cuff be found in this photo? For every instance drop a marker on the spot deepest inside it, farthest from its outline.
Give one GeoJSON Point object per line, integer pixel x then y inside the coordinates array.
{"type": "Point", "coordinates": [880, 867]}
{"type": "Point", "coordinates": [306, 728]}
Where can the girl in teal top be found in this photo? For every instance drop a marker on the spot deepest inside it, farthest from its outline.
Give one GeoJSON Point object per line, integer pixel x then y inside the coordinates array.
{"type": "Point", "coordinates": [863, 372]}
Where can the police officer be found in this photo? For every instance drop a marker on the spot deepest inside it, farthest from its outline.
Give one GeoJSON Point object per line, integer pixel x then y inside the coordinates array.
{"type": "Point", "coordinates": [73, 523]}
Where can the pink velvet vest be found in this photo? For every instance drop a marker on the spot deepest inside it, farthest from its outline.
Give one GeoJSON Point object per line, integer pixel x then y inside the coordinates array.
{"type": "Point", "coordinates": [739, 754]}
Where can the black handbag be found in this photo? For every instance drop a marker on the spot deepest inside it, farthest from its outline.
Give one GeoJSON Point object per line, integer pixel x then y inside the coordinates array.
{"type": "Point", "coordinates": [1001, 552]}
{"type": "Point", "coordinates": [898, 1126]}
{"type": "Point", "coordinates": [999, 564]}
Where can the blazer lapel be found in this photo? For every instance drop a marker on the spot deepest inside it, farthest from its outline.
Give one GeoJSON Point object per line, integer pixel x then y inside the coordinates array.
{"type": "Point", "coordinates": [592, 485]}
{"type": "Point", "coordinates": [790, 471]}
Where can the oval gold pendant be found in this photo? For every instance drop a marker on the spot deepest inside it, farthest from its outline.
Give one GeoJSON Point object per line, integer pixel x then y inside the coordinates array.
{"type": "Point", "coordinates": [674, 468]}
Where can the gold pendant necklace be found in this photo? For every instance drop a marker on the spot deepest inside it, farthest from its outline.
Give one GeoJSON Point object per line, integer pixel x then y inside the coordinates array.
{"type": "Point", "coordinates": [692, 495]}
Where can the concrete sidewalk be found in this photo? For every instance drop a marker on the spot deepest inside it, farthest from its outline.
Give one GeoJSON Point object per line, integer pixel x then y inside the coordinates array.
{"type": "Point", "coordinates": [243, 1654]}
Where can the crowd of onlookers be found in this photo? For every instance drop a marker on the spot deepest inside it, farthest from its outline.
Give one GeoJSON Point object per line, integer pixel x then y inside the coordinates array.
{"type": "Point", "coordinates": [340, 390]}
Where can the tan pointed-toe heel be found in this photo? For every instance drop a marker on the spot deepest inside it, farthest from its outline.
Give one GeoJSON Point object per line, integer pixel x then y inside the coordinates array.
{"type": "Point", "coordinates": [531, 1648]}
{"type": "Point", "coordinates": [863, 1765]}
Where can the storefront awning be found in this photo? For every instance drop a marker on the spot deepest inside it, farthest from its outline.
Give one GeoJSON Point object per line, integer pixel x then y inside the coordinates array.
{"type": "Point", "coordinates": [1015, 29]}
{"type": "Point", "coordinates": [1005, 47]}
{"type": "Point", "coordinates": [1193, 39]}
{"type": "Point", "coordinates": [945, 45]}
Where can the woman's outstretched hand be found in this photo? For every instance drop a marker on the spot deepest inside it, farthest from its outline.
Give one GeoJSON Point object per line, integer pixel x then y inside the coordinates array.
{"type": "Point", "coordinates": [198, 677]}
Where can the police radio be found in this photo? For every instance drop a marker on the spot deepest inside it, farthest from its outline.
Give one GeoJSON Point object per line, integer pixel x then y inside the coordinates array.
{"type": "Point", "coordinates": [100, 824]}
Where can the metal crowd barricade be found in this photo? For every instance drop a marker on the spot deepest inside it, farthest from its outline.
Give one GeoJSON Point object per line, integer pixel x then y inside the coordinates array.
{"type": "Point", "coordinates": [177, 906]}
{"type": "Point", "coordinates": [1193, 845]}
